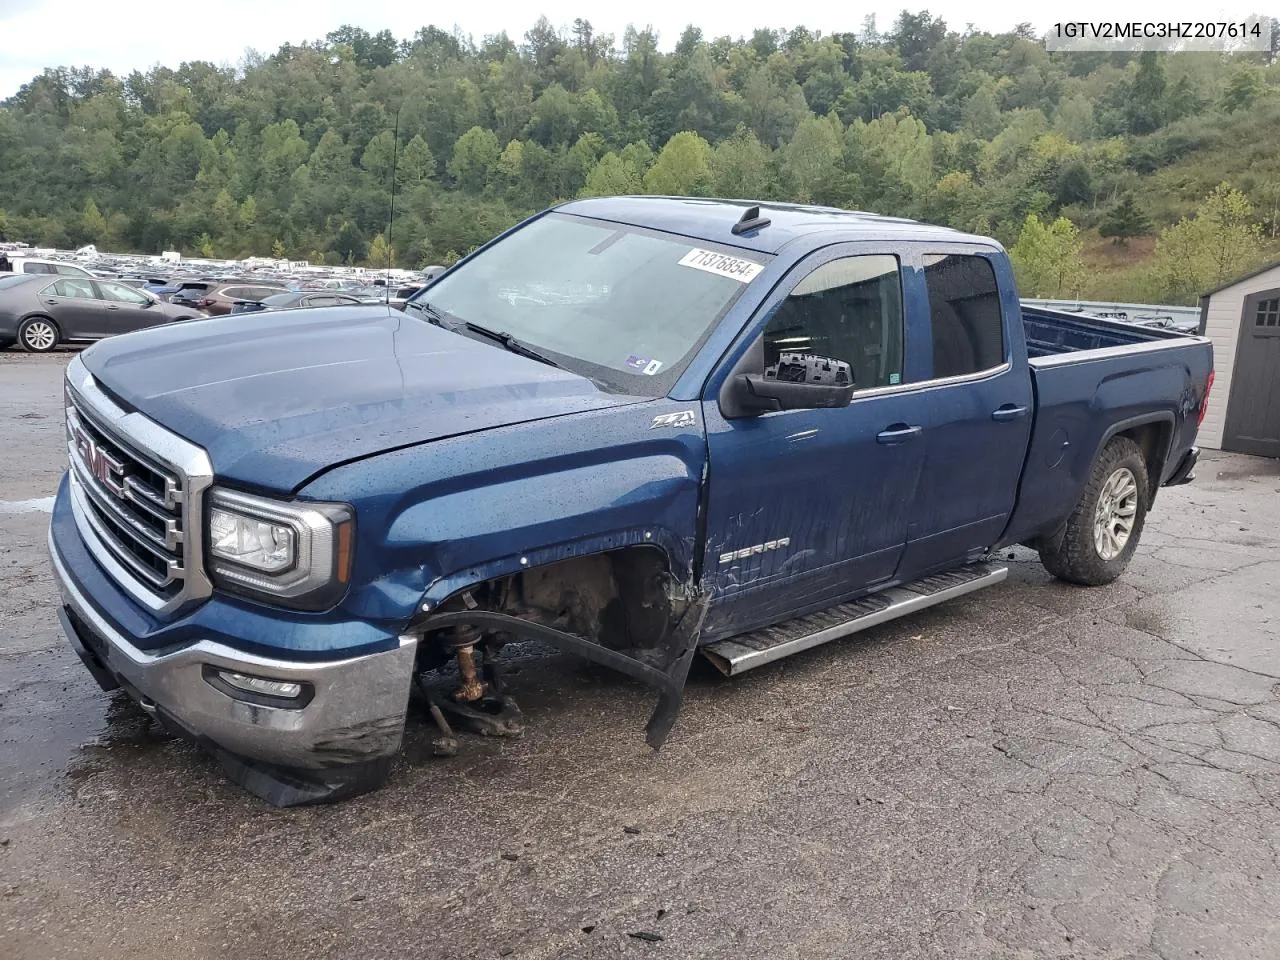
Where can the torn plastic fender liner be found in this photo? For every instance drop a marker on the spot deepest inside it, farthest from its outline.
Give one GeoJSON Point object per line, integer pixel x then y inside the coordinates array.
{"type": "Point", "coordinates": [669, 682]}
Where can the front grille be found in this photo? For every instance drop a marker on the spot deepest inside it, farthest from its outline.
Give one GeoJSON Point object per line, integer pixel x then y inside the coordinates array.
{"type": "Point", "coordinates": [138, 511]}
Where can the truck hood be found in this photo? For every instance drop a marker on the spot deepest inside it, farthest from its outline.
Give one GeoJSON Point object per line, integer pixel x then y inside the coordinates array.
{"type": "Point", "coordinates": [275, 399]}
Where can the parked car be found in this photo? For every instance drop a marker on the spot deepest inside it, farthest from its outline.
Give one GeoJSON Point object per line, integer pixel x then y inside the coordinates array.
{"type": "Point", "coordinates": [306, 298]}
{"type": "Point", "coordinates": [218, 299]}
{"type": "Point", "coordinates": [21, 264]}
{"type": "Point", "coordinates": [634, 429]}
{"type": "Point", "coordinates": [186, 292]}
{"type": "Point", "coordinates": [39, 311]}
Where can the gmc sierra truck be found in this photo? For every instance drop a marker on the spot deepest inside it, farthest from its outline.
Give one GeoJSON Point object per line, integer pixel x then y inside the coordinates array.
{"type": "Point", "coordinates": [637, 429]}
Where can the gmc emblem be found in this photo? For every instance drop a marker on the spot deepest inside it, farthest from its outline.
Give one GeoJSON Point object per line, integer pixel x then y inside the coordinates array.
{"type": "Point", "coordinates": [105, 468]}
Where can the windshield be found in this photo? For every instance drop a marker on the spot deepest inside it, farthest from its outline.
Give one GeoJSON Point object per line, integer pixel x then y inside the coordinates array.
{"type": "Point", "coordinates": [623, 305]}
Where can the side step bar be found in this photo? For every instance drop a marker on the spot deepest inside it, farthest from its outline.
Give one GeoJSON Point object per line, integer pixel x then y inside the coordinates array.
{"type": "Point", "coordinates": [748, 650]}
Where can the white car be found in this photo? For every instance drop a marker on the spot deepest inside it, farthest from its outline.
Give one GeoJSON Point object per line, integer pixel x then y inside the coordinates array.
{"type": "Point", "coordinates": [18, 263]}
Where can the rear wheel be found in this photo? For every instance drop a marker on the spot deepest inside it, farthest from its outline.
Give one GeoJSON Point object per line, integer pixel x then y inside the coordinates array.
{"type": "Point", "coordinates": [1104, 529]}
{"type": "Point", "coordinates": [38, 334]}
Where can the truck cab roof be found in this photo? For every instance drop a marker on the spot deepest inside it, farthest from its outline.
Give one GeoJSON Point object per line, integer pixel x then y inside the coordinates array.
{"type": "Point", "coordinates": [789, 223]}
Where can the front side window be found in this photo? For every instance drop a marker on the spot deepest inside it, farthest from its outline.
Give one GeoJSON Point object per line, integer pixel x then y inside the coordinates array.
{"type": "Point", "coordinates": [73, 287]}
{"type": "Point", "coordinates": [848, 309]}
{"type": "Point", "coordinates": [964, 310]}
{"type": "Point", "coordinates": [119, 293]}
{"type": "Point", "coordinates": [624, 305]}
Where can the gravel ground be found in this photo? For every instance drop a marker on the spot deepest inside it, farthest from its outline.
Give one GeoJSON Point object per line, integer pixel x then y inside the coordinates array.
{"type": "Point", "coordinates": [1035, 770]}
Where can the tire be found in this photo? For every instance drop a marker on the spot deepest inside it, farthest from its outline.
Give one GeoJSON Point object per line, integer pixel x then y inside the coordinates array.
{"type": "Point", "coordinates": [1096, 548]}
{"type": "Point", "coordinates": [38, 335]}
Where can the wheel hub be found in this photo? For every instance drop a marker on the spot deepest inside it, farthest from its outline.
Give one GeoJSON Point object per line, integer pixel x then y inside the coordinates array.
{"type": "Point", "coordinates": [40, 336]}
{"type": "Point", "coordinates": [1114, 518]}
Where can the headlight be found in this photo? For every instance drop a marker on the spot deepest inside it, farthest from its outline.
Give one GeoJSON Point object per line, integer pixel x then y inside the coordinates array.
{"type": "Point", "coordinates": [243, 539]}
{"type": "Point", "coordinates": [293, 552]}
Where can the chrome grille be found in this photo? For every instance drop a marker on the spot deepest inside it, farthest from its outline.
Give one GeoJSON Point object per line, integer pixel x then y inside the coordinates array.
{"type": "Point", "coordinates": [136, 494]}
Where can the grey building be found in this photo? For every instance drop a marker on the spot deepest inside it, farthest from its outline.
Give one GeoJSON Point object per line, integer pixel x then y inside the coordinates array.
{"type": "Point", "coordinates": [1242, 318]}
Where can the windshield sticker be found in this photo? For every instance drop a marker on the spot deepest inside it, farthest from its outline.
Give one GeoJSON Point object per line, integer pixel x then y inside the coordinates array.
{"type": "Point", "coordinates": [644, 365]}
{"type": "Point", "coordinates": [723, 265]}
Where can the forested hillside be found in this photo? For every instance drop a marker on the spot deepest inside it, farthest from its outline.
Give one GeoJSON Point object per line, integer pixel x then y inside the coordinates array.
{"type": "Point", "coordinates": [1102, 172]}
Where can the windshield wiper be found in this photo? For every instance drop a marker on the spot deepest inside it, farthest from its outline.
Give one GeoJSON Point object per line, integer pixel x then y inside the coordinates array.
{"type": "Point", "coordinates": [510, 343]}
{"type": "Point", "coordinates": [432, 314]}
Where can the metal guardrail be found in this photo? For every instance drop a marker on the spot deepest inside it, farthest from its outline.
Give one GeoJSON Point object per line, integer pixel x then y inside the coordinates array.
{"type": "Point", "coordinates": [1120, 311]}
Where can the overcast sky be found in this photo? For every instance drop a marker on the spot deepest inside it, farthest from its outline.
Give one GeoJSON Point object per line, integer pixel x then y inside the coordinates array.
{"type": "Point", "coordinates": [124, 35]}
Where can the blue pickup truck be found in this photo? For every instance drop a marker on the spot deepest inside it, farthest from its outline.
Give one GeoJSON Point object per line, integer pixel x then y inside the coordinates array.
{"type": "Point", "coordinates": [638, 429]}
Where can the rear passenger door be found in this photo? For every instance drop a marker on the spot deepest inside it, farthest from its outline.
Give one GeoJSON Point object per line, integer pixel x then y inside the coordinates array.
{"type": "Point", "coordinates": [980, 411]}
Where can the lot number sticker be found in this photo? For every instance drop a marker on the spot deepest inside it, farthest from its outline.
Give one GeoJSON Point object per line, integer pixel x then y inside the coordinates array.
{"type": "Point", "coordinates": [721, 264]}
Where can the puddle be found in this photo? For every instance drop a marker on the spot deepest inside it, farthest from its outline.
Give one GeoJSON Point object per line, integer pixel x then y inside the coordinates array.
{"type": "Point", "coordinates": [59, 725]}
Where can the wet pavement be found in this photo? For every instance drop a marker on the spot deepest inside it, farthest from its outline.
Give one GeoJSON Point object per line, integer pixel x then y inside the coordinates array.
{"type": "Point", "coordinates": [1036, 770]}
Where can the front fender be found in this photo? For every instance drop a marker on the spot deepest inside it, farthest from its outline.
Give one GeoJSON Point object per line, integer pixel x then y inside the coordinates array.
{"type": "Point", "coordinates": [438, 517]}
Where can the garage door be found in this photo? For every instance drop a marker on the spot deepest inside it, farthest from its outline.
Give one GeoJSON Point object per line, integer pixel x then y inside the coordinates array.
{"type": "Point", "coordinates": [1253, 409]}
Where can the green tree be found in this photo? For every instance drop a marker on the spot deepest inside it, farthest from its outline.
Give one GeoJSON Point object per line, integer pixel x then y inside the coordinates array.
{"type": "Point", "coordinates": [682, 167]}
{"type": "Point", "coordinates": [92, 222]}
{"type": "Point", "coordinates": [1047, 258]}
{"type": "Point", "coordinates": [349, 244]}
{"type": "Point", "coordinates": [1145, 109]}
{"type": "Point", "coordinates": [379, 156]}
{"type": "Point", "coordinates": [1219, 244]}
{"type": "Point", "coordinates": [277, 249]}
{"type": "Point", "coordinates": [1124, 221]}
{"type": "Point", "coordinates": [742, 167]}
{"type": "Point", "coordinates": [416, 165]}
{"type": "Point", "coordinates": [381, 254]}
{"type": "Point", "coordinates": [474, 155]}
{"type": "Point", "coordinates": [1244, 87]}
{"type": "Point", "coordinates": [812, 156]}
{"type": "Point", "coordinates": [612, 176]}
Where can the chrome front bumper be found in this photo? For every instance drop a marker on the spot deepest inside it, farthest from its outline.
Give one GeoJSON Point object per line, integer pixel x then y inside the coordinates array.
{"type": "Point", "coordinates": [340, 743]}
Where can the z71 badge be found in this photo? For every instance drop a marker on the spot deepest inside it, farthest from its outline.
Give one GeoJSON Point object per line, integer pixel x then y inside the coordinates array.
{"type": "Point", "coordinates": [751, 551]}
{"type": "Point", "coordinates": [684, 418]}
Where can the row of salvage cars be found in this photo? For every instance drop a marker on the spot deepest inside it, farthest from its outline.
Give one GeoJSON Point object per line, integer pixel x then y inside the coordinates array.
{"type": "Point", "coordinates": [40, 311]}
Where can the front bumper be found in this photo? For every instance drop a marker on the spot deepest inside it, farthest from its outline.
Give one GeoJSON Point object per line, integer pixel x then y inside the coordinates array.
{"type": "Point", "coordinates": [340, 743]}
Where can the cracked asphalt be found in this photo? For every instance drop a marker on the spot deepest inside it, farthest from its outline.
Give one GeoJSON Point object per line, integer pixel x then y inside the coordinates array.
{"type": "Point", "coordinates": [1036, 770]}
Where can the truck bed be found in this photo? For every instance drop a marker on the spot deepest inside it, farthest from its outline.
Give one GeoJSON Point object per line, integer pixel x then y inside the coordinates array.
{"type": "Point", "coordinates": [1051, 333]}
{"type": "Point", "coordinates": [1092, 377]}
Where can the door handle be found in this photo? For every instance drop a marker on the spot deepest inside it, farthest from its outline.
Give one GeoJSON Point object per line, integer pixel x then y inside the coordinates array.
{"type": "Point", "coordinates": [52, 300]}
{"type": "Point", "coordinates": [897, 433]}
{"type": "Point", "coordinates": [112, 306]}
{"type": "Point", "coordinates": [1008, 411]}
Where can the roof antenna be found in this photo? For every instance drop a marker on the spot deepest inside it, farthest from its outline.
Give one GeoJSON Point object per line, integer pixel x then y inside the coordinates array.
{"type": "Point", "coordinates": [751, 220]}
{"type": "Point", "coordinates": [391, 220]}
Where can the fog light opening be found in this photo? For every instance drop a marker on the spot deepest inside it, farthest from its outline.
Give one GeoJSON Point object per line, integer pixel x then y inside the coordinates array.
{"type": "Point", "coordinates": [260, 690]}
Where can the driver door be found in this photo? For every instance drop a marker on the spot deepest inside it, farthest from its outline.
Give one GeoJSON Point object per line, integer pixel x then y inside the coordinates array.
{"type": "Point", "coordinates": [127, 309]}
{"type": "Point", "coordinates": [808, 507]}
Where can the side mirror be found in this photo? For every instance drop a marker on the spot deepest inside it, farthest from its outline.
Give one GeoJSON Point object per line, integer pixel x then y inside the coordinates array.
{"type": "Point", "coordinates": [798, 381]}
{"type": "Point", "coordinates": [756, 393]}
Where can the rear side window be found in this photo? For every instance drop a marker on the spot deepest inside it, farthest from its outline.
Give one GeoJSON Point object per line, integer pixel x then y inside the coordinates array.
{"type": "Point", "coordinates": [964, 309]}
{"type": "Point", "coordinates": [80, 289]}
{"type": "Point", "coordinates": [848, 309]}
{"type": "Point", "coordinates": [69, 271]}
{"type": "Point", "coordinates": [37, 268]}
